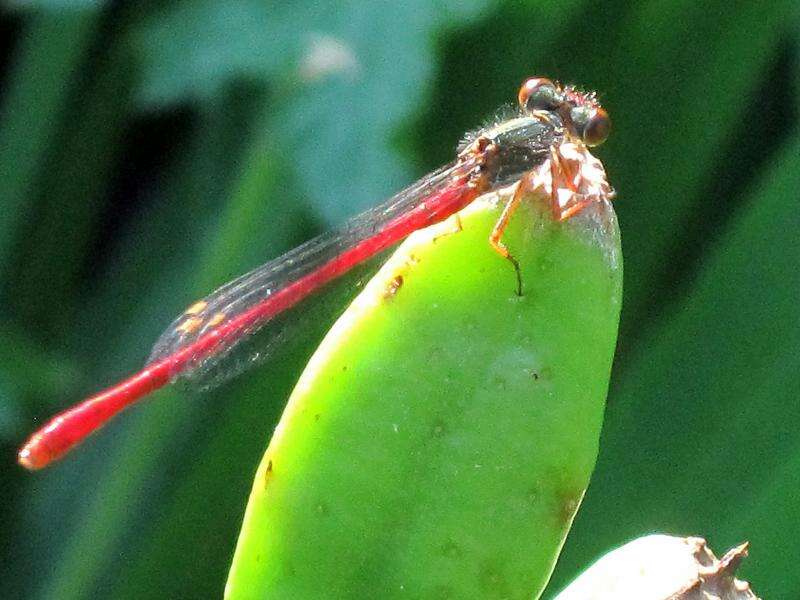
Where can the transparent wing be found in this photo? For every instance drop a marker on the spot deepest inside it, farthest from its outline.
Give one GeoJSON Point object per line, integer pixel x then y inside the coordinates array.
{"type": "Point", "coordinates": [295, 329]}
{"type": "Point", "coordinates": [201, 341]}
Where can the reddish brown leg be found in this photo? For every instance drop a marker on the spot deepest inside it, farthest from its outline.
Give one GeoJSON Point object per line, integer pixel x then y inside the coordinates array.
{"type": "Point", "coordinates": [558, 180]}
{"type": "Point", "coordinates": [574, 209]}
{"type": "Point", "coordinates": [558, 170]}
{"type": "Point", "coordinates": [457, 227]}
{"type": "Point", "coordinates": [495, 239]}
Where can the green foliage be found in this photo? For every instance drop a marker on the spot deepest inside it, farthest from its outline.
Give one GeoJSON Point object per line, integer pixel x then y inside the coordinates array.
{"type": "Point", "coordinates": [152, 150]}
{"type": "Point", "coordinates": [442, 436]}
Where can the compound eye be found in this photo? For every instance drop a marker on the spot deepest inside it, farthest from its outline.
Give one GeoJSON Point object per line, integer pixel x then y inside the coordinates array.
{"type": "Point", "coordinates": [539, 93]}
{"type": "Point", "coordinates": [592, 124]}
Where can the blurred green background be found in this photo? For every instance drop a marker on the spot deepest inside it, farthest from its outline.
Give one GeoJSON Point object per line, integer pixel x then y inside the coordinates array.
{"type": "Point", "coordinates": [150, 151]}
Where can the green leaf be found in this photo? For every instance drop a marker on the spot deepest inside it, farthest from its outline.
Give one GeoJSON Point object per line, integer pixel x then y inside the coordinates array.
{"type": "Point", "coordinates": [442, 436]}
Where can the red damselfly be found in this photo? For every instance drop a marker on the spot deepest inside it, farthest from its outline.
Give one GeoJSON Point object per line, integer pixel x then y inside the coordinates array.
{"type": "Point", "coordinates": [540, 149]}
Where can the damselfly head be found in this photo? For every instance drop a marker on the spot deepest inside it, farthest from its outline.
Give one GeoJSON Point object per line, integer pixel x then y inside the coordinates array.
{"type": "Point", "coordinates": [581, 113]}
{"type": "Point", "coordinates": [540, 93]}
